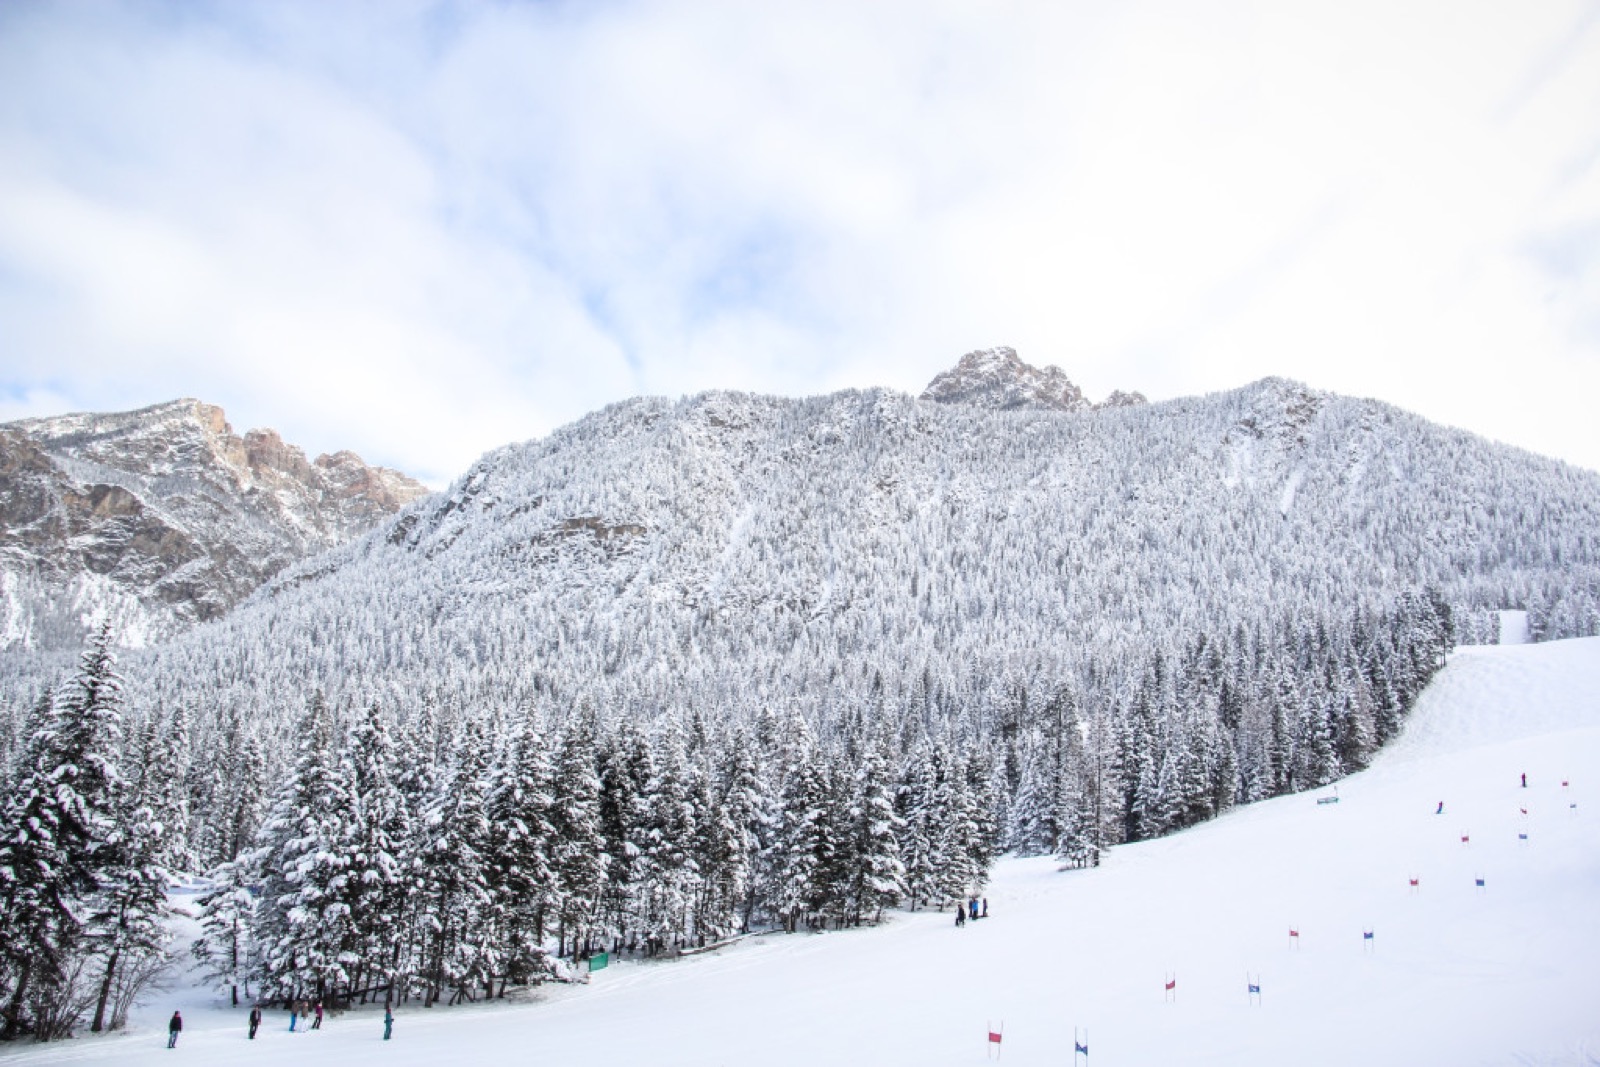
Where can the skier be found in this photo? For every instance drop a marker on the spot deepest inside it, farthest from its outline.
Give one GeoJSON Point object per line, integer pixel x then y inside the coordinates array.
{"type": "Point", "coordinates": [1440, 809]}
{"type": "Point", "coordinates": [961, 914]}
{"type": "Point", "coordinates": [388, 1022]}
{"type": "Point", "coordinates": [255, 1020]}
{"type": "Point", "coordinates": [173, 1028]}
{"type": "Point", "coordinates": [1524, 779]}
{"type": "Point", "coordinates": [316, 1023]}
{"type": "Point", "coordinates": [985, 907]}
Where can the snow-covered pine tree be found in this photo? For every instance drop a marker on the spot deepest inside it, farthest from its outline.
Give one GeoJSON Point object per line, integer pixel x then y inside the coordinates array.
{"type": "Point", "coordinates": [745, 801]}
{"type": "Point", "coordinates": [375, 830]}
{"type": "Point", "coordinates": [226, 947]}
{"type": "Point", "coordinates": [39, 877]}
{"type": "Point", "coordinates": [577, 857]}
{"type": "Point", "coordinates": [128, 924]}
{"type": "Point", "coordinates": [805, 841]}
{"type": "Point", "coordinates": [301, 921]}
{"type": "Point", "coordinates": [878, 880]}
{"type": "Point", "coordinates": [923, 838]}
{"type": "Point", "coordinates": [670, 875]}
{"type": "Point", "coordinates": [520, 880]}
{"type": "Point", "coordinates": [626, 769]}
{"type": "Point", "coordinates": [60, 824]}
{"type": "Point", "coordinates": [459, 952]}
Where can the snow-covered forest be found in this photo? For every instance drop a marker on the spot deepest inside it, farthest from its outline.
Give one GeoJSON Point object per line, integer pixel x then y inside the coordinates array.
{"type": "Point", "coordinates": [689, 668]}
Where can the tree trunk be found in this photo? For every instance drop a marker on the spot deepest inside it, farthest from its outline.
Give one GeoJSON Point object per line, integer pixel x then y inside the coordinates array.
{"type": "Point", "coordinates": [13, 1011]}
{"type": "Point", "coordinates": [111, 972]}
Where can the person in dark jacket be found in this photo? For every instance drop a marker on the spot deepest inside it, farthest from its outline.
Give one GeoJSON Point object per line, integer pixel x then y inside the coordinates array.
{"type": "Point", "coordinates": [174, 1028]}
{"type": "Point", "coordinates": [316, 1021]}
{"type": "Point", "coordinates": [388, 1023]}
{"type": "Point", "coordinates": [961, 914]}
{"type": "Point", "coordinates": [255, 1021]}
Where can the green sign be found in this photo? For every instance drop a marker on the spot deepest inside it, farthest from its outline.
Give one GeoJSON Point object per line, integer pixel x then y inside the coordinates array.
{"type": "Point", "coordinates": [599, 961]}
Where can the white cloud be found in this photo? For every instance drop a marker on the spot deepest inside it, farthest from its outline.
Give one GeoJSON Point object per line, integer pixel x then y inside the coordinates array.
{"type": "Point", "coordinates": [423, 231]}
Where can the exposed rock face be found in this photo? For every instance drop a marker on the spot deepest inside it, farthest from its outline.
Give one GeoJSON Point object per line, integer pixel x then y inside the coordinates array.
{"type": "Point", "coordinates": [997, 379]}
{"type": "Point", "coordinates": [1119, 399]}
{"type": "Point", "coordinates": [163, 517]}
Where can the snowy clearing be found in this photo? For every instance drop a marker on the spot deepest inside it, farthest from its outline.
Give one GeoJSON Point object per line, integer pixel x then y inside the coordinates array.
{"type": "Point", "coordinates": [1453, 973]}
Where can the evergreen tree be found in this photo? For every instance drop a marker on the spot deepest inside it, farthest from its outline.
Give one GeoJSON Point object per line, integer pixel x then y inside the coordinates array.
{"type": "Point", "coordinates": [520, 878]}
{"type": "Point", "coordinates": [128, 924]}
{"type": "Point", "coordinates": [459, 947]}
{"type": "Point", "coordinates": [878, 879]}
{"type": "Point", "coordinates": [60, 825]}
{"type": "Point", "coordinates": [375, 830]}
{"type": "Point", "coordinates": [302, 921]}
{"type": "Point", "coordinates": [577, 859]}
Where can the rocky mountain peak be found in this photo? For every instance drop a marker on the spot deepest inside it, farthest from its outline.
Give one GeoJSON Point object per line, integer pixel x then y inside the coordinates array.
{"type": "Point", "coordinates": [164, 516]}
{"type": "Point", "coordinates": [998, 379]}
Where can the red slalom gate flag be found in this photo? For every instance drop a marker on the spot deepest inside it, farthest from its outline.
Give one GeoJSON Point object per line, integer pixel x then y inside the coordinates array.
{"type": "Point", "coordinates": [1172, 985]}
{"type": "Point", "coordinates": [1413, 883]}
{"type": "Point", "coordinates": [994, 1036]}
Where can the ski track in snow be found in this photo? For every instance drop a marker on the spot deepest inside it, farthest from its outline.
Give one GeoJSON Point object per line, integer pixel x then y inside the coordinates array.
{"type": "Point", "coordinates": [1454, 975]}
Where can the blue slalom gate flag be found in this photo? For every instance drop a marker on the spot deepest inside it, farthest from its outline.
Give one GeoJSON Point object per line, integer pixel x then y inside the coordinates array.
{"type": "Point", "coordinates": [1478, 882]}
{"type": "Point", "coordinates": [1366, 935]}
{"type": "Point", "coordinates": [1255, 989]}
{"type": "Point", "coordinates": [1080, 1048]}
{"type": "Point", "coordinates": [1522, 837]}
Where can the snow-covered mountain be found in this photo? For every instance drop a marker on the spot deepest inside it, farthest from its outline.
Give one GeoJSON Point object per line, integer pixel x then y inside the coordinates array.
{"type": "Point", "coordinates": [163, 517]}
{"type": "Point", "coordinates": [998, 379]}
{"type": "Point", "coordinates": [868, 550]}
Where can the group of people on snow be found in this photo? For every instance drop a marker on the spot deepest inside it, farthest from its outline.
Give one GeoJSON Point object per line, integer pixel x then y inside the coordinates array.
{"type": "Point", "coordinates": [970, 909]}
{"type": "Point", "coordinates": [298, 1010]}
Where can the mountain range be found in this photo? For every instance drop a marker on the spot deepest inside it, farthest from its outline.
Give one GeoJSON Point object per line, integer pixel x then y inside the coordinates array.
{"type": "Point", "coordinates": [731, 550]}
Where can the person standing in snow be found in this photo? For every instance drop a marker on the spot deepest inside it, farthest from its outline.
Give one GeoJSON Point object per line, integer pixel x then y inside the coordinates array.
{"type": "Point", "coordinates": [174, 1028]}
{"type": "Point", "coordinates": [1524, 779]}
{"type": "Point", "coordinates": [985, 908]}
{"type": "Point", "coordinates": [973, 904]}
{"type": "Point", "coordinates": [961, 914]}
{"type": "Point", "coordinates": [255, 1020]}
{"type": "Point", "coordinates": [388, 1022]}
{"type": "Point", "coordinates": [316, 1023]}
{"type": "Point", "coordinates": [294, 1014]}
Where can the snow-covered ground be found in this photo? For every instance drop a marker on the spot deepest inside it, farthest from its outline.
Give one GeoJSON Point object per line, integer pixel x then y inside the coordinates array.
{"type": "Point", "coordinates": [1453, 974]}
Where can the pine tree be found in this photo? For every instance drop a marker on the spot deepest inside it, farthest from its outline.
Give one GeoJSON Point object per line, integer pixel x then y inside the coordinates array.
{"type": "Point", "coordinates": [577, 860]}
{"type": "Point", "coordinates": [878, 880]}
{"type": "Point", "coordinates": [375, 830]}
{"type": "Point", "coordinates": [128, 924]}
{"type": "Point", "coordinates": [301, 922]}
{"type": "Point", "coordinates": [226, 947]}
{"type": "Point", "coordinates": [669, 873]}
{"type": "Point", "coordinates": [459, 947]}
{"type": "Point", "coordinates": [59, 828]}
{"type": "Point", "coordinates": [40, 876]}
{"type": "Point", "coordinates": [627, 767]}
{"type": "Point", "coordinates": [520, 880]}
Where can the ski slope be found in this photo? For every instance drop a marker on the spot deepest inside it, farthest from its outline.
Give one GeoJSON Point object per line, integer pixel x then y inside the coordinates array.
{"type": "Point", "coordinates": [1453, 974]}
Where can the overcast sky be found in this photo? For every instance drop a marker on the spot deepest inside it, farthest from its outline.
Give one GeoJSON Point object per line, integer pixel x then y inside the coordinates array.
{"type": "Point", "coordinates": [425, 230]}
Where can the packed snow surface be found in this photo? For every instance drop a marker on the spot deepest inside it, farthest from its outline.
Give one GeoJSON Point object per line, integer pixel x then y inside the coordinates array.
{"type": "Point", "coordinates": [1454, 973]}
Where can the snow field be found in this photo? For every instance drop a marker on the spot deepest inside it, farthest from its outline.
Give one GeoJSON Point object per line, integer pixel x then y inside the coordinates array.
{"type": "Point", "coordinates": [1454, 974]}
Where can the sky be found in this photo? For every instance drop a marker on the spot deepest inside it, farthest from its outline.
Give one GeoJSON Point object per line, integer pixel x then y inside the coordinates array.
{"type": "Point", "coordinates": [424, 230]}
